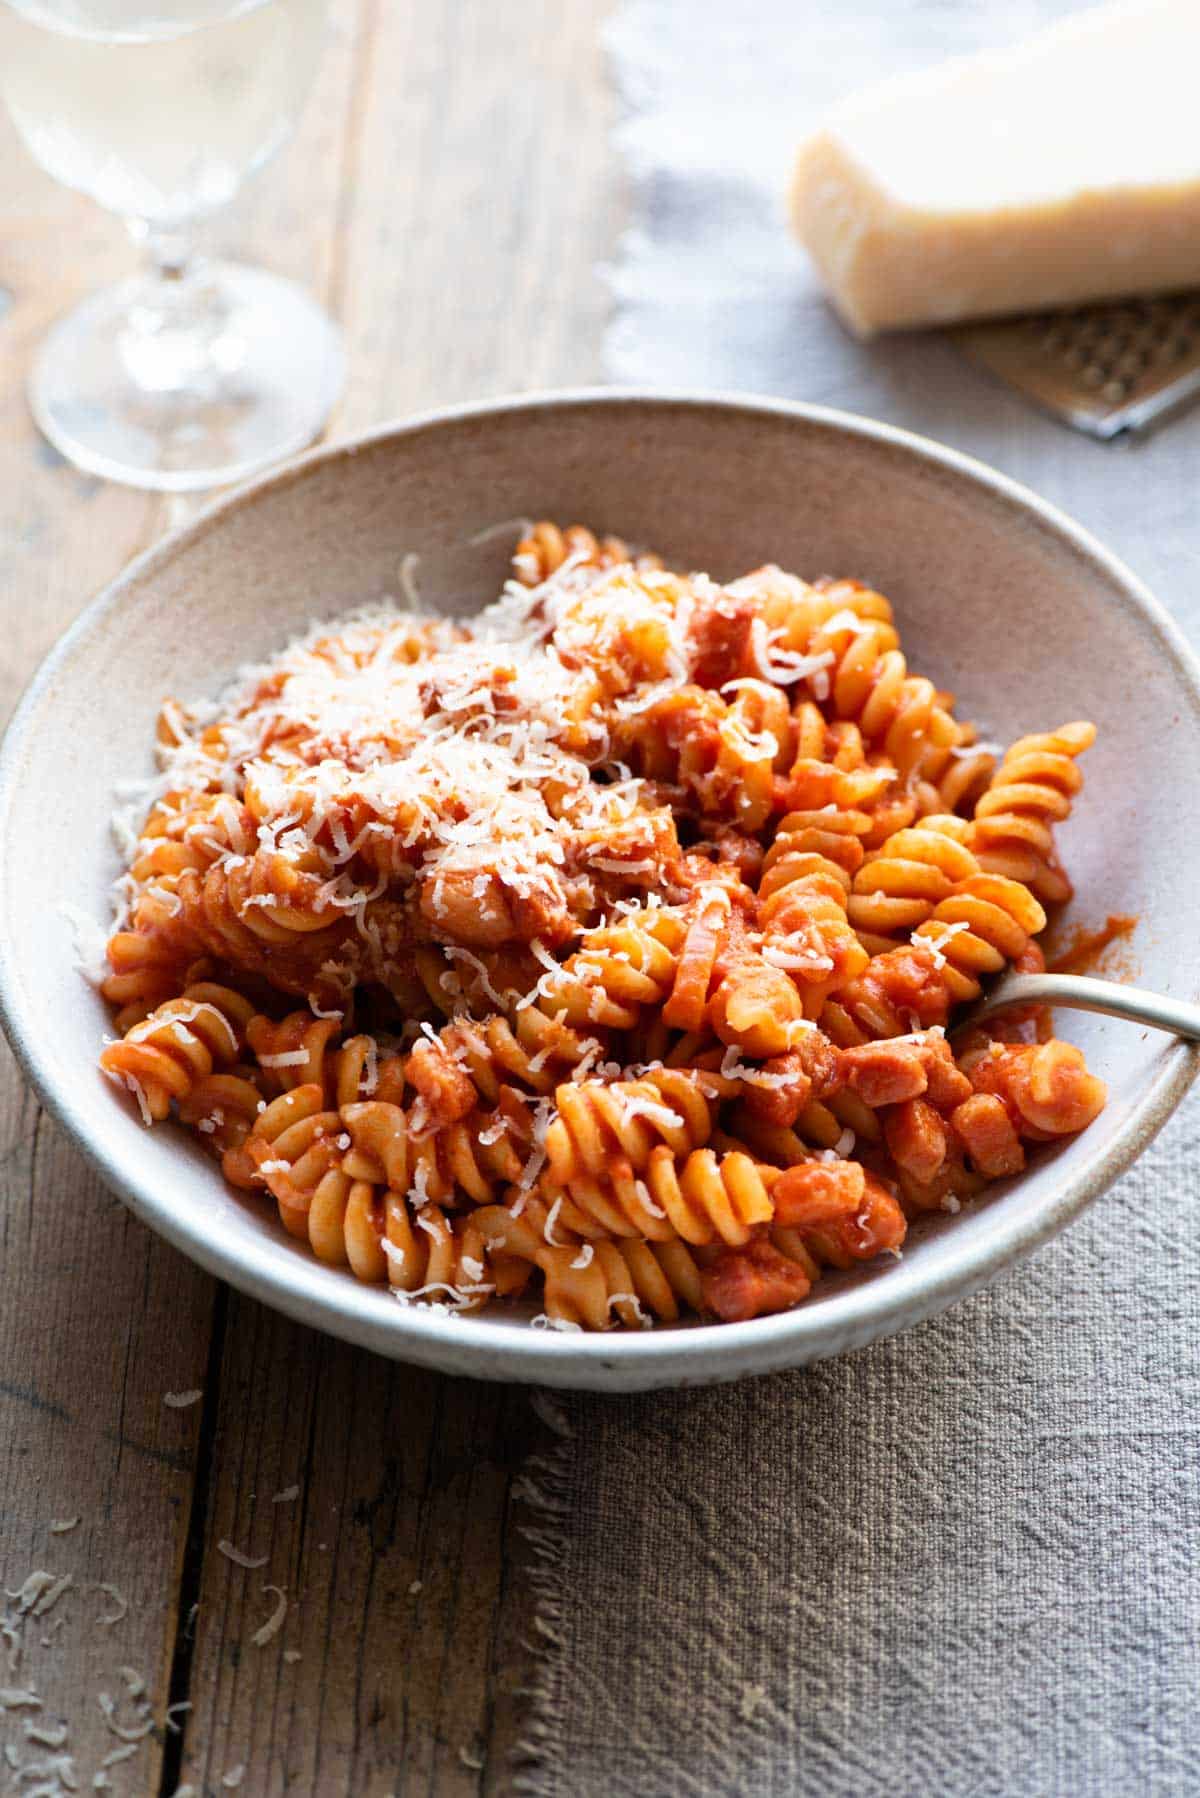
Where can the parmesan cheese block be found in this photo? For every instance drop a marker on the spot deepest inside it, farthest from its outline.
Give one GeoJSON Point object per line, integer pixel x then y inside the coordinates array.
{"type": "Point", "coordinates": [1065, 170]}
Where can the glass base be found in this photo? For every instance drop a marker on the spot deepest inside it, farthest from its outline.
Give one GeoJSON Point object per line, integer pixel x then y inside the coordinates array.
{"type": "Point", "coordinates": [237, 371]}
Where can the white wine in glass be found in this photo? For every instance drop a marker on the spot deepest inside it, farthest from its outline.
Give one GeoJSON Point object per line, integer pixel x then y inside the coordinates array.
{"type": "Point", "coordinates": [194, 372]}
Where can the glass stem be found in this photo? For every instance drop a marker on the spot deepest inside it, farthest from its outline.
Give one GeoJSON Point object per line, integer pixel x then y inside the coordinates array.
{"type": "Point", "coordinates": [176, 341]}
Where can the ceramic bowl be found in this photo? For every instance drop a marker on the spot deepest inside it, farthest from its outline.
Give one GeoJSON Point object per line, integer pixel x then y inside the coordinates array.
{"type": "Point", "coordinates": [1003, 600]}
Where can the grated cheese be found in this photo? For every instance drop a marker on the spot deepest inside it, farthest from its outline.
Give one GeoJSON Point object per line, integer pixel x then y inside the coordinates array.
{"type": "Point", "coordinates": [274, 1623]}
{"type": "Point", "coordinates": [936, 944]}
{"type": "Point", "coordinates": [631, 1299]}
{"type": "Point", "coordinates": [239, 1557]}
{"type": "Point", "coordinates": [458, 1297]}
{"type": "Point", "coordinates": [396, 717]}
{"type": "Point", "coordinates": [959, 750]}
{"type": "Point", "coordinates": [139, 1093]}
{"type": "Point", "coordinates": [40, 1592]}
{"type": "Point", "coordinates": [647, 1203]}
{"type": "Point", "coordinates": [458, 953]}
{"type": "Point", "coordinates": [108, 1619]}
{"type": "Point", "coordinates": [135, 1688]}
{"type": "Point", "coordinates": [15, 1698]}
{"type": "Point", "coordinates": [45, 1735]}
{"type": "Point", "coordinates": [655, 1111]}
{"type": "Point", "coordinates": [91, 943]}
{"type": "Point", "coordinates": [734, 1068]}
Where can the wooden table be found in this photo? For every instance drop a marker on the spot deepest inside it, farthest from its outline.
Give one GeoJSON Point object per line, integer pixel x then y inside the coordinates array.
{"type": "Point", "coordinates": [448, 196]}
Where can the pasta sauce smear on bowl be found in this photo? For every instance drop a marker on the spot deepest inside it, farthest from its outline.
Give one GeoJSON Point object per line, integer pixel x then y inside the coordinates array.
{"type": "Point", "coordinates": [600, 950]}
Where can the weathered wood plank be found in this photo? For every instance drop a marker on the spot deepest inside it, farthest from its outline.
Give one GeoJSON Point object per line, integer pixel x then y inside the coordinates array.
{"type": "Point", "coordinates": [485, 196]}
{"type": "Point", "coordinates": [480, 200]}
{"type": "Point", "coordinates": [101, 1317]}
{"type": "Point", "coordinates": [62, 533]}
{"type": "Point", "coordinates": [101, 1320]}
{"type": "Point", "coordinates": [388, 1553]}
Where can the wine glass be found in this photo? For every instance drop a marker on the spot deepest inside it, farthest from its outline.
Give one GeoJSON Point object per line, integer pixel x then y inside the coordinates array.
{"type": "Point", "coordinates": [193, 372]}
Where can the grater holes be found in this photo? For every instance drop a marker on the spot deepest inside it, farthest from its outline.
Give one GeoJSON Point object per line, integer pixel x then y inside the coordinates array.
{"type": "Point", "coordinates": [1110, 350]}
{"type": "Point", "coordinates": [1095, 366]}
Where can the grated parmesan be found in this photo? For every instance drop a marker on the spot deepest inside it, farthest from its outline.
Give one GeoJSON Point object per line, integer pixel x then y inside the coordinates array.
{"type": "Point", "coordinates": [15, 1698]}
{"type": "Point", "coordinates": [274, 1622]}
{"type": "Point", "coordinates": [239, 1557]}
{"type": "Point", "coordinates": [107, 1619]}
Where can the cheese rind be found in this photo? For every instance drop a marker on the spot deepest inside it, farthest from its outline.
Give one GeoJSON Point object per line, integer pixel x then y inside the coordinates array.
{"type": "Point", "coordinates": [1066, 170]}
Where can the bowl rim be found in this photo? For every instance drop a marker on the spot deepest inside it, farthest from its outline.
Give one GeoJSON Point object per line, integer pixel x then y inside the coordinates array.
{"type": "Point", "coordinates": [299, 1286]}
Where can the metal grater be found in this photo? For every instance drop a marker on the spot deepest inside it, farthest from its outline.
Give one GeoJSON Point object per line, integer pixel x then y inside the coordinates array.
{"type": "Point", "coordinates": [1103, 369]}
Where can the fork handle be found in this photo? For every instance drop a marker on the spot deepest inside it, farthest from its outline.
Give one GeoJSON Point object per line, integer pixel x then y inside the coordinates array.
{"type": "Point", "coordinates": [1179, 1016]}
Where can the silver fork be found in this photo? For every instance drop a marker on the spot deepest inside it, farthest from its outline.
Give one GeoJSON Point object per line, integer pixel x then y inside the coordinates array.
{"type": "Point", "coordinates": [1179, 1016]}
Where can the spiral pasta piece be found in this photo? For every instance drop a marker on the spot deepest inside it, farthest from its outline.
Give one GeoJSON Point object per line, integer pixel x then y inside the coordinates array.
{"type": "Point", "coordinates": [146, 971]}
{"type": "Point", "coordinates": [544, 548]}
{"type": "Point", "coordinates": [292, 1051]}
{"type": "Point", "coordinates": [161, 1058]}
{"type": "Point", "coordinates": [534, 1050]}
{"type": "Point", "coordinates": [600, 1143]}
{"type": "Point", "coordinates": [796, 613]}
{"type": "Point", "coordinates": [803, 898]}
{"type": "Point", "coordinates": [1030, 792]}
{"type": "Point", "coordinates": [292, 1146]}
{"type": "Point", "coordinates": [900, 884]}
{"type": "Point", "coordinates": [223, 1109]}
{"type": "Point", "coordinates": [425, 1253]}
{"type": "Point", "coordinates": [618, 970]}
{"type": "Point", "coordinates": [1045, 1087]}
{"type": "Point", "coordinates": [985, 922]}
{"type": "Point", "coordinates": [708, 1198]}
{"type": "Point", "coordinates": [632, 1283]}
{"type": "Point", "coordinates": [190, 831]}
{"type": "Point", "coordinates": [954, 775]}
{"type": "Point", "coordinates": [722, 753]}
{"type": "Point", "coordinates": [472, 1159]}
{"type": "Point", "coordinates": [869, 682]}
{"type": "Point", "coordinates": [829, 765]}
{"type": "Point", "coordinates": [215, 907]}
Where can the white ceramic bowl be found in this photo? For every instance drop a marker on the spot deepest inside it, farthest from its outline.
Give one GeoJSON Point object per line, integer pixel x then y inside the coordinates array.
{"type": "Point", "coordinates": [999, 597]}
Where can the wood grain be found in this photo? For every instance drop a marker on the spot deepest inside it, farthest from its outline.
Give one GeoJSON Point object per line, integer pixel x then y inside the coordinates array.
{"type": "Point", "coordinates": [100, 1318]}
{"type": "Point", "coordinates": [448, 195]}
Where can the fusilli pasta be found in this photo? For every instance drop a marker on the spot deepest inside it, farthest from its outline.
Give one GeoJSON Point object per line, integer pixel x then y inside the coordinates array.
{"type": "Point", "coordinates": [600, 949]}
